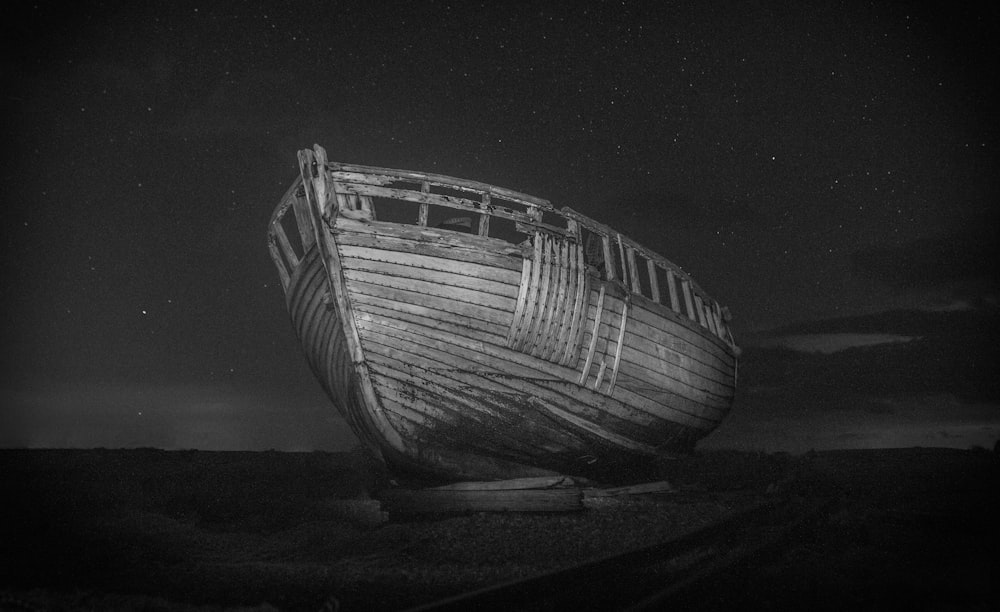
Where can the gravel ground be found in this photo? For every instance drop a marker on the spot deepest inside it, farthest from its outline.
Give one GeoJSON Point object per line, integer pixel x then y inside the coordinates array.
{"type": "Point", "coordinates": [156, 530]}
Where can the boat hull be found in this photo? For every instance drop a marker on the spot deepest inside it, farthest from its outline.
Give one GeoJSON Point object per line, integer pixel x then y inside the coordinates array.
{"type": "Point", "coordinates": [467, 355]}
{"type": "Point", "coordinates": [433, 322]}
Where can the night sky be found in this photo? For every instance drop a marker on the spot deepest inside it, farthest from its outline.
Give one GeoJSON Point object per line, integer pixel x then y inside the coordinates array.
{"type": "Point", "coordinates": [806, 162]}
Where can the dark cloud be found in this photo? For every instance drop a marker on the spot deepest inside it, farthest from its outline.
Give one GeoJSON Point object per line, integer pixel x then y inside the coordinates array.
{"type": "Point", "coordinates": [966, 255]}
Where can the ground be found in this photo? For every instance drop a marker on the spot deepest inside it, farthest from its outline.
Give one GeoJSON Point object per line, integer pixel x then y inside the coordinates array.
{"type": "Point", "coordinates": [158, 530]}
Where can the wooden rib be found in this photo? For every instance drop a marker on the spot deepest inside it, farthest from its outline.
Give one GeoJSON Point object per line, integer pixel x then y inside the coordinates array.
{"type": "Point", "coordinates": [580, 308]}
{"type": "Point", "coordinates": [600, 375]}
{"type": "Point", "coordinates": [539, 305]}
{"type": "Point", "coordinates": [557, 301]}
{"type": "Point", "coordinates": [618, 349]}
{"type": "Point", "coordinates": [561, 331]}
{"type": "Point", "coordinates": [524, 323]}
{"type": "Point", "coordinates": [568, 291]}
{"type": "Point", "coordinates": [522, 299]}
{"type": "Point", "coordinates": [593, 338]}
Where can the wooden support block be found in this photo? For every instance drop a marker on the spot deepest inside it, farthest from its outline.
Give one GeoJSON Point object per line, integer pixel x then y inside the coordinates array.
{"type": "Point", "coordinates": [435, 501]}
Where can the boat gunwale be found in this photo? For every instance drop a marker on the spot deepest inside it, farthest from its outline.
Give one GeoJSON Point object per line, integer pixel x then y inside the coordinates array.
{"type": "Point", "coordinates": [571, 216]}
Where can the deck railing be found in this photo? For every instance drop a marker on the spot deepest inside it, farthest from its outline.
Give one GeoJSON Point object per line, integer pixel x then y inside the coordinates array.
{"type": "Point", "coordinates": [383, 194]}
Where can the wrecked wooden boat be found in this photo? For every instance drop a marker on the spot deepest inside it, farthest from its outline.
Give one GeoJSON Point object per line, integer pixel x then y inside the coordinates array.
{"type": "Point", "coordinates": [471, 332]}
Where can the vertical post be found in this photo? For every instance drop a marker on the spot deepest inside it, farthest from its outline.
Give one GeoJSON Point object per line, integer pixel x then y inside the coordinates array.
{"type": "Point", "coordinates": [484, 219]}
{"type": "Point", "coordinates": [686, 289]}
{"type": "Point", "coordinates": [609, 268]}
{"type": "Point", "coordinates": [654, 283]}
{"type": "Point", "coordinates": [633, 270]}
{"type": "Point", "coordinates": [675, 303]}
{"type": "Point", "coordinates": [425, 187]}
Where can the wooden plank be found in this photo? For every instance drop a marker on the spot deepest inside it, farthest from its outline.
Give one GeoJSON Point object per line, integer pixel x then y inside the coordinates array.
{"type": "Point", "coordinates": [681, 327]}
{"type": "Point", "coordinates": [459, 294]}
{"type": "Point", "coordinates": [480, 353]}
{"type": "Point", "coordinates": [678, 380]}
{"type": "Point", "coordinates": [416, 369]}
{"type": "Point", "coordinates": [439, 322]}
{"type": "Point", "coordinates": [659, 486]}
{"type": "Point", "coordinates": [461, 310]}
{"type": "Point", "coordinates": [402, 274]}
{"type": "Point", "coordinates": [443, 181]}
{"type": "Point", "coordinates": [640, 421]}
{"type": "Point", "coordinates": [375, 236]}
{"type": "Point", "coordinates": [659, 358]}
{"type": "Point", "coordinates": [434, 501]}
{"type": "Point", "coordinates": [449, 201]}
{"type": "Point", "coordinates": [534, 482]}
{"type": "Point", "coordinates": [650, 416]}
{"type": "Point", "coordinates": [439, 263]}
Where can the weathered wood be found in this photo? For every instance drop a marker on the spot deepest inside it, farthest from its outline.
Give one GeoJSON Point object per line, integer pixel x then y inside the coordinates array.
{"type": "Point", "coordinates": [442, 180]}
{"type": "Point", "coordinates": [435, 501]}
{"type": "Point", "coordinates": [430, 341]}
{"type": "Point", "coordinates": [618, 346]}
{"type": "Point", "coordinates": [537, 482]}
{"type": "Point", "coordinates": [654, 283]}
{"type": "Point", "coordinates": [659, 486]}
{"type": "Point", "coordinates": [593, 338]}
